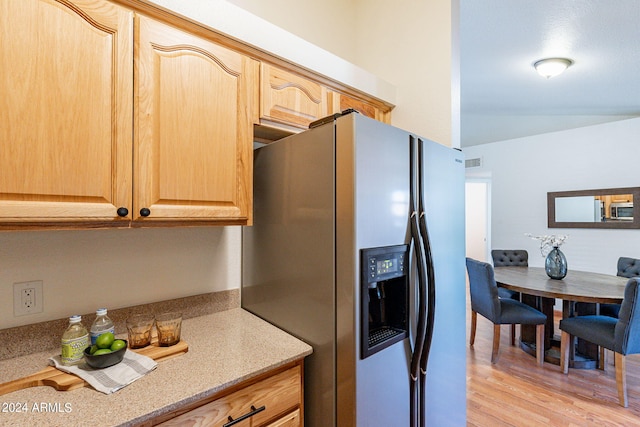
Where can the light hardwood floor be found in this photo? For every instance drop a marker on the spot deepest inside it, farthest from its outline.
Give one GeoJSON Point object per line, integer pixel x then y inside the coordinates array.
{"type": "Point", "coordinates": [518, 392]}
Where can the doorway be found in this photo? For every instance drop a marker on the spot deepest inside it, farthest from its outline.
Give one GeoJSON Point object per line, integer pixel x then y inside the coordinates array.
{"type": "Point", "coordinates": [478, 218]}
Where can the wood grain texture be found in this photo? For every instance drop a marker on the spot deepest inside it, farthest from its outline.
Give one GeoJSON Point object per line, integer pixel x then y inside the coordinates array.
{"type": "Point", "coordinates": [339, 102]}
{"type": "Point", "coordinates": [194, 115]}
{"type": "Point", "coordinates": [539, 344]}
{"type": "Point", "coordinates": [65, 113]}
{"type": "Point", "coordinates": [518, 392]}
{"type": "Point", "coordinates": [62, 381]}
{"type": "Point", "coordinates": [289, 99]}
{"type": "Point", "coordinates": [280, 395]}
{"type": "Point", "coordinates": [293, 419]}
{"type": "Point", "coordinates": [579, 286]}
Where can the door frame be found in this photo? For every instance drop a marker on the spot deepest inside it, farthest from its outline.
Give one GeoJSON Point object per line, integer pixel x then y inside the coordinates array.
{"type": "Point", "coordinates": [475, 202]}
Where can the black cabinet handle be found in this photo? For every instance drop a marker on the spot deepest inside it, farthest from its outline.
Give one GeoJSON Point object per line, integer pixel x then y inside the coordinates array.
{"type": "Point", "coordinates": [145, 212]}
{"type": "Point", "coordinates": [245, 416]}
{"type": "Point", "coordinates": [122, 212]}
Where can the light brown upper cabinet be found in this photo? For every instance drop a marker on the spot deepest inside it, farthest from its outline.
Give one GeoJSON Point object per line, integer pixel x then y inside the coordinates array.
{"type": "Point", "coordinates": [127, 115]}
{"type": "Point", "coordinates": [290, 100]}
{"type": "Point", "coordinates": [65, 111]}
{"type": "Point", "coordinates": [195, 106]}
{"type": "Point", "coordinates": [80, 146]}
{"type": "Point", "coordinates": [339, 102]}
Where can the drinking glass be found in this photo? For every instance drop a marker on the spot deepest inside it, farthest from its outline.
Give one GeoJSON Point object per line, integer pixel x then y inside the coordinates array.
{"type": "Point", "coordinates": [139, 330]}
{"type": "Point", "coordinates": [168, 326]}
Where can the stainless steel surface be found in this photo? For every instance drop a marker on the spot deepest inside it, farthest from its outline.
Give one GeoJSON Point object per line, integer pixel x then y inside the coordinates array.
{"type": "Point", "coordinates": [289, 255]}
{"type": "Point", "coordinates": [444, 198]}
{"type": "Point", "coordinates": [319, 198]}
{"type": "Point", "coordinates": [372, 195]}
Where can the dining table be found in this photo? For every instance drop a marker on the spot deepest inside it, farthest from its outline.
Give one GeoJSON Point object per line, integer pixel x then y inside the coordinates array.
{"type": "Point", "coordinates": [538, 290]}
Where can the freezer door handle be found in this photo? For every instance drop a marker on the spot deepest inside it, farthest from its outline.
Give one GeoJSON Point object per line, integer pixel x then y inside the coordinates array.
{"type": "Point", "coordinates": [431, 280]}
{"type": "Point", "coordinates": [421, 329]}
{"type": "Point", "coordinates": [430, 286]}
{"type": "Point", "coordinates": [420, 285]}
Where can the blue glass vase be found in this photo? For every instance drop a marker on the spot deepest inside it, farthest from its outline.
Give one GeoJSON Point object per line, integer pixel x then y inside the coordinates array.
{"type": "Point", "coordinates": [556, 264]}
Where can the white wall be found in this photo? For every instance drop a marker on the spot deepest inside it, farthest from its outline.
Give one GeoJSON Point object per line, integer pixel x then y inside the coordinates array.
{"type": "Point", "coordinates": [523, 170]}
{"type": "Point", "coordinates": [414, 45]}
{"type": "Point", "coordinates": [329, 24]}
{"type": "Point", "coordinates": [83, 270]}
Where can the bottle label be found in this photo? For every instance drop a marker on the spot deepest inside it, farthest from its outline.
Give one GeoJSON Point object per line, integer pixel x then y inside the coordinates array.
{"type": "Point", "coordinates": [73, 349]}
{"type": "Point", "coordinates": [96, 334]}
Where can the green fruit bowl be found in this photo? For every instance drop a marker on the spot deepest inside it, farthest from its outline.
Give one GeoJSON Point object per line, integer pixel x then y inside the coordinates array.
{"type": "Point", "coordinates": [105, 360]}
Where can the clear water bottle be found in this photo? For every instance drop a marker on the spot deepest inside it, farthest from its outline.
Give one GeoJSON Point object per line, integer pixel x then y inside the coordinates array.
{"type": "Point", "coordinates": [101, 325]}
{"type": "Point", "coordinates": [74, 340]}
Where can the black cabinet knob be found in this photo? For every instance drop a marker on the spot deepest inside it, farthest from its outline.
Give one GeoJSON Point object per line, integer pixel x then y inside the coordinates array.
{"type": "Point", "coordinates": [123, 212]}
{"type": "Point", "coordinates": [145, 212]}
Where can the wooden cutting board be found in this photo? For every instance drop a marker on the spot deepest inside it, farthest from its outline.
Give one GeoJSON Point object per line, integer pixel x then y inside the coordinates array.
{"type": "Point", "coordinates": [63, 381]}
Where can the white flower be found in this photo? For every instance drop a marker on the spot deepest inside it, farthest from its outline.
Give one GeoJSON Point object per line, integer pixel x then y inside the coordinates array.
{"type": "Point", "coordinates": [547, 242]}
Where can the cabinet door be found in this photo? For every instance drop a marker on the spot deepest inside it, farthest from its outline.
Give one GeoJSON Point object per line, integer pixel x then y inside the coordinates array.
{"type": "Point", "coordinates": [290, 99]}
{"type": "Point", "coordinates": [195, 105]}
{"type": "Point", "coordinates": [253, 405]}
{"type": "Point", "coordinates": [340, 102]}
{"type": "Point", "coordinates": [291, 420]}
{"type": "Point", "coordinates": [65, 111]}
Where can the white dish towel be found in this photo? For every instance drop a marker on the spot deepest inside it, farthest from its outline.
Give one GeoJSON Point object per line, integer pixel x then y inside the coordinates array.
{"type": "Point", "coordinates": [113, 378]}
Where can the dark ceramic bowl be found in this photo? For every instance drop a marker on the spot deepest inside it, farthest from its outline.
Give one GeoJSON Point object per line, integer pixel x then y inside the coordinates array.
{"type": "Point", "coordinates": [105, 360]}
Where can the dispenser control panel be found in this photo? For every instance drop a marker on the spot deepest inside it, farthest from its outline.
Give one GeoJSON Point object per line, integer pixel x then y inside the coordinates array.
{"type": "Point", "coordinates": [384, 298]}
{"type": "Point", "coordinates": [384, 263]}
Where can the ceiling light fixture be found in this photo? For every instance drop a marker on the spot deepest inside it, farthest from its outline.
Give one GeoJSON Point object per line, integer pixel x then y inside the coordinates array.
{"type": "Point", "coordinates": [551, 67]}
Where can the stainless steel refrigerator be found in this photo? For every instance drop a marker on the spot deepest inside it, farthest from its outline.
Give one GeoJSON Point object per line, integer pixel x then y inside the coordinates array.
{"type": "Point", "coordinates": [357, 248]}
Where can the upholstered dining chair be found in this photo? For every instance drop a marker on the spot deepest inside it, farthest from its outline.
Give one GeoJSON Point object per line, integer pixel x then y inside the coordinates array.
{"type": "Point", "coordinates": [627, 267]}
{"type": "Point", "coordinates": [500, 311]}
{"type": "Point", "coordinates": [621, 335]}
{"type": "Point", "coordinates": [509, 258]}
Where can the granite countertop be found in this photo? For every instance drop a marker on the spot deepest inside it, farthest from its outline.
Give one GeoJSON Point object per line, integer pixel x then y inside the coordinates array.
{"type": "Point", "coordinates": [225, 348]}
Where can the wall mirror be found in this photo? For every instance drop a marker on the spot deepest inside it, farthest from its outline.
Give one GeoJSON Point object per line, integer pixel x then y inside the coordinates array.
{"type": "Point", "coordinates": [601, 208]}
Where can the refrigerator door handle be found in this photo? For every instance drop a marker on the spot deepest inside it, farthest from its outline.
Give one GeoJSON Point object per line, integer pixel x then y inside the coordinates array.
{"type": "Point", "coordinates": [431, 294]}
{"type": "Point", "coordinates": [421, 294]}
{"type": "Point", "coordinates": [420, 286]}
{"type": "Point", "coordinates": [431, 285]}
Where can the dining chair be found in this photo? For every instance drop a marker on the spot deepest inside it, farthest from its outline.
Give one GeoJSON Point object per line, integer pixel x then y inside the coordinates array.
{"type": "Point", "coordinates": [509, 258]}
{"type": "Point", "coordinates": [622, 335]}
{"type": "Point", "coordinates": [627, 267]}
{"type": "Point", "coordinates": [500, 311]}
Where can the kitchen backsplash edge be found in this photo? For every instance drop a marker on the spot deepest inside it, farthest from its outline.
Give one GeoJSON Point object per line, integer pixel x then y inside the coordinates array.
{"type": "Point", "coordinates": [43, 336]}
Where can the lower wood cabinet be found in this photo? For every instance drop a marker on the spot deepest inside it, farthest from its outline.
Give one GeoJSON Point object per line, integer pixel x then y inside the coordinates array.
{"type": "Point", "coordinates": [273, 401]}
{"type": "Point", "coordinates": [291, 420]}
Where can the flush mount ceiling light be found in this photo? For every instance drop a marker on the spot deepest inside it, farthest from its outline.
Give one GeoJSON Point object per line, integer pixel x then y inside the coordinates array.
{"type": "Point", "coordinates": [551, 67]}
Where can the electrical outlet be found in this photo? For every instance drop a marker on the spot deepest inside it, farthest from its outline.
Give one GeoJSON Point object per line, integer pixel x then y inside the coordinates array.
{"type": "Point", "coordinates": [27, 298]}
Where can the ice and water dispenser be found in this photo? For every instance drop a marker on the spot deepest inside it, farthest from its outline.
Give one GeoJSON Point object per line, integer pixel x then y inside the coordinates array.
{"type": "Point", "coordinates": [384, 297]}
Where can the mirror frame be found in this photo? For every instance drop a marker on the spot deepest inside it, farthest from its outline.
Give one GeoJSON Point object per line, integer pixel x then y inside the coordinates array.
{"type": "Point", "coordinates": [551, 208]}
